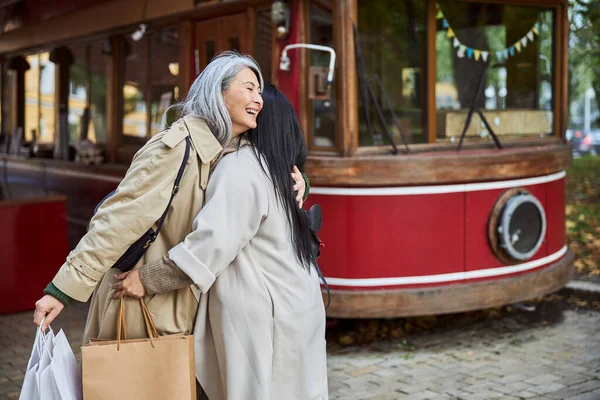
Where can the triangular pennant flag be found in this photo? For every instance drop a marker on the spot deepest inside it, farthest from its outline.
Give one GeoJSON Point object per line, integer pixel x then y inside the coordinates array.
{"type": "Point", "coordinates": [445, 23]}
{"type": "Point", "coordinates": [439, 15]}
{"type": "Point", "coordinates": [450, 33]}
{"type": "Point", "coordinates": [462, 48]}
{"type": "Point", "coordinates": [460, 53]}
{"type": "Point", "coordinates": [535, 30]}
{"type": "Point", "coordinates": [518, 46]}
{"type": "Point", "coordinates": [530, 36]}
{"type": "Point", "coordinates": [511, 50]}
{"type": "Point", "coordinates": [524, 41]}
{"type": "Point", "coordinates": [456, 42]}
{"type": "Point", "coordinates": [484, 55]}
{"type": "Point", "coordinates": [469, 52]}
{"type": "Point", "coordinates": [477, 54]}
{"type": "Point", "coordinates": [499, 55]}
{"type": "Point", "coordinates": [505, 53]}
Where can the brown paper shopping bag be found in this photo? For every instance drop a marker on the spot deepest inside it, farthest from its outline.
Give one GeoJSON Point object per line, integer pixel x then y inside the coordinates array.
{"type": "Point", "coordinates": [155, 368]}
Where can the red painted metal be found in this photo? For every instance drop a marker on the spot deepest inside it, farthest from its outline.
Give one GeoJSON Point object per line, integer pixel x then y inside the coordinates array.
{"type": "Point", "coordinates": [33, 244]}
{"type": "Point", "coordinates": [288, 80]}
{"type": "Point", "coordinates": [555, 215]}
{"type": "Point", "coordinates": [391, 236]}
{"type": "Point", "coordinates": [420, 235]}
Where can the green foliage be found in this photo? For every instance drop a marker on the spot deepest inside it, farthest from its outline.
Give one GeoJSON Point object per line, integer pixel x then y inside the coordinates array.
{"type": "Point", "coordinates": [583, 214]}
{"type": "Point", "coordinates": [584, 48]}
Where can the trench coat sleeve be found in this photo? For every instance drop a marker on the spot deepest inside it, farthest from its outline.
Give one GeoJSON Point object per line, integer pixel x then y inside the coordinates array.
{"type": "Point", "coordinates": [236, 203]}
{"type": "Point", "coordinates": [138, 203]}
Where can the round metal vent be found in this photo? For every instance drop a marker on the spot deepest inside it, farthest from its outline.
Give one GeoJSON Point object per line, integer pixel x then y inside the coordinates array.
{"type": "Point", "coordinates": [517, 226]}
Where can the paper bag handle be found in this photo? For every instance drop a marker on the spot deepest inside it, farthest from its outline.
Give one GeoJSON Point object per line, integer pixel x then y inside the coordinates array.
{"type": "Point", "coordinates": [122, 326]}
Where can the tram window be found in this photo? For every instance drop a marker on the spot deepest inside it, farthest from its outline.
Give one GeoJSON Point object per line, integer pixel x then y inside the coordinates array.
{"type": "Point", "coordinates": [164, 88]}
{"type": "Point", "coordinates": [392, 37]}
{"type": "Point", "coordinates": [39, 98]}
{"type": "Point", "coordinates": [506, 49]}
{"type": "Point", "coordinates": [135, 84]}
{"type": "Point", "coordinates": [322, 110]}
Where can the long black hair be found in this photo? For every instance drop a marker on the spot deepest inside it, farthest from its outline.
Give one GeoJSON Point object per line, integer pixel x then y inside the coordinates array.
{"type": "Point", "coordinates": [279, 141]}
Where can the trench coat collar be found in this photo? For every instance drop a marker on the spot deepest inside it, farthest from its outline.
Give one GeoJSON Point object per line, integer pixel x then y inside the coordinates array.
{"type": "Point", "coordinates": [205, 143]}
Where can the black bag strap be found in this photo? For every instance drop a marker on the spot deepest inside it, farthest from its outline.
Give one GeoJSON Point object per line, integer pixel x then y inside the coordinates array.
{"type": "Point", "coordinates": [174, 191]}
{"type": "Point", "coordinates": [326, 285]}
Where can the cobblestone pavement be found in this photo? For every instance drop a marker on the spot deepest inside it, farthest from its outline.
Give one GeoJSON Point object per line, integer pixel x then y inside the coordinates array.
{"type": "Point", "coordinates": [510, 356]}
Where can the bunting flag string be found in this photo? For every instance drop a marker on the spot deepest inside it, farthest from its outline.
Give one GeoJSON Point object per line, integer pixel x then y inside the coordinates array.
{"type": "Point", "coordinates": [479, 54]}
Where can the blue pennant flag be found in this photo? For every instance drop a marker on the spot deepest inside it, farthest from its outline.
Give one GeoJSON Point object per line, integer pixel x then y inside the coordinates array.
{"type": "Point", "coordinates": [469, 52]}
{"type": "Point", "coordinates": [445, 23]}
{"type": "Point", "coordinates": [511, 50]}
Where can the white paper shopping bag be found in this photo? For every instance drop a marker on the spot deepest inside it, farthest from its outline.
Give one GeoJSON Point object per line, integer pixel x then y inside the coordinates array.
{"type": "Point", "coordinates": [52, 371]}
{"type": "Point", "coordinates": [67, 374]}
{"type": "Point", "coordinates": [30, 388]}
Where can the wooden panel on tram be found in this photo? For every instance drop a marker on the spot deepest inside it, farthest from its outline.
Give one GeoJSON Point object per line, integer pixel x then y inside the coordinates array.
{"type": "Point", "coordinates": [219, 34]}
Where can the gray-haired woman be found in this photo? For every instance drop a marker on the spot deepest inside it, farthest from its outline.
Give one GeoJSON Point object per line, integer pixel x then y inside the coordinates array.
{"type": "Point", "coordinates": [222, 102]}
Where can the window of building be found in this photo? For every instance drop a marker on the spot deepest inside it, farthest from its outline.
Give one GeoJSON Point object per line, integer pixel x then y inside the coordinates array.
{"type": "Point", "coordinates": [150, 83]}
{"type": "Point", "coordinates": [164, 85]}
{"type": "Point", "coordinates": [497, 58]}
{"type": "Point", "coordinates": [321, 101]}
{"type": "Point", "coordinates": [98, 83]}
{"type": "Point", "coordinates": [392, 38]}
{"type": "Point", "coordinates": [78, 88]}
{"type": "Point", "coordinates": [135, 86]}
{"type": "Point", "coordinates": [87, 91]}
{"type": "Point", "coordinates": [9, 100]}
{"type": "Point", "coordinates": [39, 98]}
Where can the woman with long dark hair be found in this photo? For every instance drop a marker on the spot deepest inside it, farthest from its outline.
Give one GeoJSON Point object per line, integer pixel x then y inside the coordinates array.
{"type": "Point", "coordinates": [260, 329]}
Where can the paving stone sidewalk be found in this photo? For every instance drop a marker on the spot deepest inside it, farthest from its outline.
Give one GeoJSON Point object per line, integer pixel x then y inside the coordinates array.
{"type": "Point", "coordinates": [505, 358]}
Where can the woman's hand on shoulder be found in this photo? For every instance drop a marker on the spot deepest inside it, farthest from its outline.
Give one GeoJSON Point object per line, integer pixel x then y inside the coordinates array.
{"type": "Point", "coordinates": [299, 185]}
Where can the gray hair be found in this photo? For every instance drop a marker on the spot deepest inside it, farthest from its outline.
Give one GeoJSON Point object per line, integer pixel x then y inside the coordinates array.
{"type": "Point", "coordinates": [205, 97]}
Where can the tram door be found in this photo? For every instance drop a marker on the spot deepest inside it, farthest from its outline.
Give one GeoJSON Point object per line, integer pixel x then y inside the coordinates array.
{"type": "Point", "coordinates": [219, 34]}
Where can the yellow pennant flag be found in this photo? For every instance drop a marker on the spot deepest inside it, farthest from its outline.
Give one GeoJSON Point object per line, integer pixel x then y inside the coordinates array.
{"type": "Point", "coordinates": [518, 46]}
{"type": "Point", "coordinates": [439, 15]}
{"type": "Point", "coordinates": [450, 33]}
{"type": "Point", "coordinates": [477, 54]}
{"type": "Point", "coordinates": [535, 30]}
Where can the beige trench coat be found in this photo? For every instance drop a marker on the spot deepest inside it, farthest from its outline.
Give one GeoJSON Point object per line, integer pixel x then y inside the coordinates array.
{"type": "Point", "coordinates": [260, 328]}
{"type": "Point", "coordinates": [138, 203]}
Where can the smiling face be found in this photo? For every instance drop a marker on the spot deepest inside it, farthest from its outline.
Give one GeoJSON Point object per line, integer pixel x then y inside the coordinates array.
{"type": "Point", "coordinates": [243, 101]}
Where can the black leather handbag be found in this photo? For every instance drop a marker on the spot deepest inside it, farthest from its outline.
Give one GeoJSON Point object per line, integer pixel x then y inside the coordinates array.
{"type": "Point", "coordinates": [137, 250]}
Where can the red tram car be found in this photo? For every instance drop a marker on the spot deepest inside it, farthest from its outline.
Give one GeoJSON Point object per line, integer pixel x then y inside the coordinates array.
{"type": "Point", "coordinates": [435, 128]}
